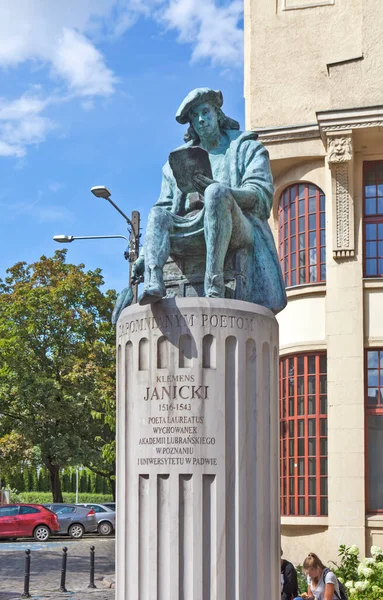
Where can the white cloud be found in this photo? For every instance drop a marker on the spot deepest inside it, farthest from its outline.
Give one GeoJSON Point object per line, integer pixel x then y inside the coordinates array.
{"type": "Point", "coordinates": [56, 186]}
{"type": "Point", "coordinates": [87, 105]}
{"type": "Point", "coordinates": [54, 33]}
{"type": "Point", "coordinates": [7, 149]}
{"type": "Point", "coordinates": [60, 36]}
{"type": "Point", "coordinates": [21, 124]}
{"type": "Point", "coordinates": [53, 214]}
{"type": "Point", "coordinates": [213, 29]}
{"type": "Point", "coordinates": [51, 34]}
{"type": "Point", "coordinates": [82, 65]}
{"type": "Point", "coordinates": [35, 209]}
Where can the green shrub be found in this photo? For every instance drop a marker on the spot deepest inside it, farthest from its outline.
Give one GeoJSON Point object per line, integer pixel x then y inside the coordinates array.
{"type": "Point", "coordinates": [14, 495]}
{"type": "Point", "coordinates": [362, 579]}
{"type": "Point", "coordinates": [32, 479]}
{"type": "Point", "coordinates": [46, 497]}
{"type": "Point", "coordinates": [302, 579]}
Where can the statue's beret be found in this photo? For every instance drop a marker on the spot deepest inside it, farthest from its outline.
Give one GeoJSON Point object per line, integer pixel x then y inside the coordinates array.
{"type": "Point", "coordinates": [195, 97]}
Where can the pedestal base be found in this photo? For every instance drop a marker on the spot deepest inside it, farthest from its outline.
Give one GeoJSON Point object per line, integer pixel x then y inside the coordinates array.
{"type": "Point", "coordinates": [197, 452]}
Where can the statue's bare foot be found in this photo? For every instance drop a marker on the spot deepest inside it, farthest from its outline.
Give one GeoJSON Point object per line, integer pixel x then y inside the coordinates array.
{"type": "Point", "coordinates": [154, 289]}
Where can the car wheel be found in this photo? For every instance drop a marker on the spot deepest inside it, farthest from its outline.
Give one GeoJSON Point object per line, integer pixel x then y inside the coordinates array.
{"type": "Point", "coordinates": [41, 533]}
{"type": "Point", "coordinates": [105, 528]}
{"type": "Point", "coordinates": [76, 531]}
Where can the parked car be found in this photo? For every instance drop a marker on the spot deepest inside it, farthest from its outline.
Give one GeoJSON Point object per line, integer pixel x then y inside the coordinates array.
{"type": "Point", "coordinates": [106, 518]}
{"type": "Point", "coordinates": [111, 505]}
{"type": "Point", "coordinates": [74, 520]}
{"type": "Point", "coordinates": [27, 520]}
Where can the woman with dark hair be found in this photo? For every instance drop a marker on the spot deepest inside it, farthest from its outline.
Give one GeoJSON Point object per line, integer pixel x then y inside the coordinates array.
{"type": "Point", "coordinates": [322, 583]}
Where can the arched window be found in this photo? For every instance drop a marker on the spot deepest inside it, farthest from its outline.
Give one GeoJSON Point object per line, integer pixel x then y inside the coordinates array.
{"type": "Point", "coordinates": [302, 234]}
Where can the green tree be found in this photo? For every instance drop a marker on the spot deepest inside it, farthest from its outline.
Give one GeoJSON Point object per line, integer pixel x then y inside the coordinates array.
{"type": "Point", "coordinates": [43, 481]}
{"type": "Point", "coordinates": [56, 344]}
{"type": "Point", "coordinates": [103, 462]}
{"type": "Point", "coordinates": [66, 483]}
{"type": "Point", "coordinates": [26, 479]}
{"type": "Point", "coordinates": [16, 455]}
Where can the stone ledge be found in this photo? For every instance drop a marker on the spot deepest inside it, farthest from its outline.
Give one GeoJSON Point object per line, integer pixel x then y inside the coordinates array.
{"type": "Point", "coordinates": [306, 346]}
{"type": "Point", "coordinates": [374, 521]}
{"type": "Point", "coordinates": [306, 289]}
{"type": "Point", "coordinates": [307, 521]}
{"type": "Point", "coordinates": [372, 282]}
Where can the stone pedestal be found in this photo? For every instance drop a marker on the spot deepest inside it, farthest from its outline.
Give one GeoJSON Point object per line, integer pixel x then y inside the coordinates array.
{"type": "Point", "coordinates": [197, 452]}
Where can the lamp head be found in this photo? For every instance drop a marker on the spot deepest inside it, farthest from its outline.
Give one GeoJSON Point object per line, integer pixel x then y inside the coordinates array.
{"type": "Point", "coordinates": [63, 239]}
{"type": "Point", "coordinates": [100, 191]}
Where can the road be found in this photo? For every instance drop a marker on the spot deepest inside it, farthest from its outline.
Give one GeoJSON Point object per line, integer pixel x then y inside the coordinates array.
{"type": "Point", "coordinates": [46, 567]}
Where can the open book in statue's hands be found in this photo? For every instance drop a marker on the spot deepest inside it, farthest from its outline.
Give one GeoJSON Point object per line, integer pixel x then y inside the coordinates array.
{"type": "Point", "coordinates": [186, 163]}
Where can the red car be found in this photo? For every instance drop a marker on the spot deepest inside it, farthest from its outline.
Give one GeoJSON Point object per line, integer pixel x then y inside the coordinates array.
{"type": "Point", "coordinates": [27, 520]}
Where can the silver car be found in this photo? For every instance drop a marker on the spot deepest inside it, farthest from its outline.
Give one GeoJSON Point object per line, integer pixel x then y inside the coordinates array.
{"type": "Point", "coordinates": [106, 518]}
{"type": "Point", "coordinates": [111, 505]}
{"type": "Point", "coordinates": [74, 520]}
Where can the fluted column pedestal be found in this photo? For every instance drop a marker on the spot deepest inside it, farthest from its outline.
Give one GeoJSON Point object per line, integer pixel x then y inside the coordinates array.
{"type": "Point", "coordinates": [197, 452]}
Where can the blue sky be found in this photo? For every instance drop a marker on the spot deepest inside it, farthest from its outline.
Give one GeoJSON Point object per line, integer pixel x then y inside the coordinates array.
{"type": "Point", "coordinates": [89, 90]}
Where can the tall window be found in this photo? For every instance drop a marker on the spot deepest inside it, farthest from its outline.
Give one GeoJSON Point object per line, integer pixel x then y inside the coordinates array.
{"type": "Point", "coordinates": [302, 234]}
{"type": "Point", "coordinates": [303, 405]}
{"type": "Point", "coordinates": [373, 218]}
{"type": "Point", "coordinates": [374, 418]}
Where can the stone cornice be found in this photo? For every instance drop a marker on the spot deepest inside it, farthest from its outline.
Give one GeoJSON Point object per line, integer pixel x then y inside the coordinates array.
{"type": "Point", "coordinates": [271, 135]}
{"type": "Point", "coordinates": [328, 121]}
{"type": "Point", "coordinates": [332, 121]}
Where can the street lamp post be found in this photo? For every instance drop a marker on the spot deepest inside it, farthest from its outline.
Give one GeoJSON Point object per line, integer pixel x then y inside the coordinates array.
{"type": "Point", "coordinates": [132, 251]}
{"type": "Point", "coordinates": [76, 485]}
{"type": "Point", "coordinates": [100, 191]}
{"type": "Point", "coordinates": [68, 239]}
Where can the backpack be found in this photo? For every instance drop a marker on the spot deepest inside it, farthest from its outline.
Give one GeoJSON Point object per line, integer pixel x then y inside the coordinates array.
{"type": "Point", "coordinates": [342, 590]}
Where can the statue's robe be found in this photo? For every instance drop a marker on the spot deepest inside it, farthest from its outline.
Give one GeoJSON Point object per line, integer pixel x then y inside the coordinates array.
{"type": "Point", "coordinates": [247, 167]}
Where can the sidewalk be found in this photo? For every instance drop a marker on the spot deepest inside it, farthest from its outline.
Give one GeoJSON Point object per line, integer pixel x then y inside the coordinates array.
{"type": "Point", "coordinates": [77, 595]}
{"type": "Point", "coordinates": [46, 561]}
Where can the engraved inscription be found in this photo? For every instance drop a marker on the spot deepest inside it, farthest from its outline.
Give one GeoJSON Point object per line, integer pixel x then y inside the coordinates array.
{"type": "Point", "coordinates": [175, 421]}
{"type": "Point", "coordinates": [171, 392]}
{"type": "Point", "coordinates": [172, 430]}
{"type": "Point", "coordinates": [174, 321]}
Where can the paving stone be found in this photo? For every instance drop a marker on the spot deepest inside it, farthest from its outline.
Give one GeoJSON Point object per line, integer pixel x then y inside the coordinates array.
{"type": "Point", "coordinates": [46, 569]}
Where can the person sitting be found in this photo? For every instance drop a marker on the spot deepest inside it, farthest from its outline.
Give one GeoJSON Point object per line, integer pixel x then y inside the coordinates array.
{"type": "Point", "coordinates": [289, 580]}
{"type": "Point", "coordinates": [322, 583]}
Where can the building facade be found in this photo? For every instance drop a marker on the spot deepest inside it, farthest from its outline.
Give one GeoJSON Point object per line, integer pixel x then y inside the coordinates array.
{"type": "Point", "coordinates": [314, 93]}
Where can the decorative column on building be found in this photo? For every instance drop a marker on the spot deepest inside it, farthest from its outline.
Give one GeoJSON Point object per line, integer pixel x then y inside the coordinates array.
{"type": "Point", "coordinates": [344, 336]}
{"type": "Point", "coordinates": [340, 159]}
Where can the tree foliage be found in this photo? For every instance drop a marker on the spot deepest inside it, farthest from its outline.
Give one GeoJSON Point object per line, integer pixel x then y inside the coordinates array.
{"type": "Point", "coordinates": [15, 453]}
{"type": "Point", "coordinates": [57, 365]}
